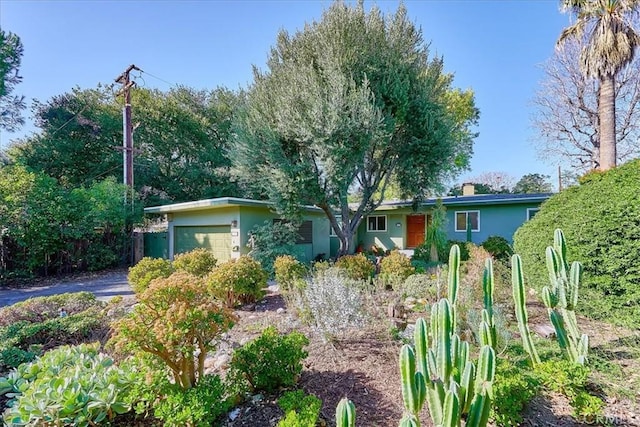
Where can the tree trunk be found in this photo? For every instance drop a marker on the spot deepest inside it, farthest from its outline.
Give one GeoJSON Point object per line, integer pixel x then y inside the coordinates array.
{"type": "Point", "coordinates": [607, 116]}
{"type": "Point", "coordinates": [345, 242]}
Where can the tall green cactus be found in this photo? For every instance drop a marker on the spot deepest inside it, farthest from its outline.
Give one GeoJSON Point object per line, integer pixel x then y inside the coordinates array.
{"type": "Point", "coordinates": [519, 298]}
{"type": "Point", "coordinates": [489, 332]}
{"type": "Point", "coordinates": [345, 413]}
{"type": "Point", "coordinates": [561, 298]}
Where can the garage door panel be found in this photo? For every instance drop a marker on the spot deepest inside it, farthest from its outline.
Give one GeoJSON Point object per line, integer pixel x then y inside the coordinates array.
{"type": "Point", "coordinates": [216, 238]}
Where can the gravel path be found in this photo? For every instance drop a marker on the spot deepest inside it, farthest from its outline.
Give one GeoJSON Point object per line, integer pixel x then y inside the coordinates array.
{"type": "Point", "coordinates": [105, 286]}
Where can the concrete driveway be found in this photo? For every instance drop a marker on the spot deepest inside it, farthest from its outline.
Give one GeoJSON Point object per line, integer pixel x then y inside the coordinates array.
{"type": "Point", "coordinates": [104, 287]}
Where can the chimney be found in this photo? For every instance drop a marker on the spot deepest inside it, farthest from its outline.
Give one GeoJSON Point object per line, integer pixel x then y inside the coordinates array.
{"type": "Point", "coordinates": [468, 189]}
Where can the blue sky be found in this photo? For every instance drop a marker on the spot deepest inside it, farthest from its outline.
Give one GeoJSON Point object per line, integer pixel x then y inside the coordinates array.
{"type": "Point", "coordinates": [494, 47]}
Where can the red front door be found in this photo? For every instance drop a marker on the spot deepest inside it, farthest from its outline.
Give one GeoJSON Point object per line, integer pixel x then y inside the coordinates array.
{"type": "Point", "coordinates": [415, 230]}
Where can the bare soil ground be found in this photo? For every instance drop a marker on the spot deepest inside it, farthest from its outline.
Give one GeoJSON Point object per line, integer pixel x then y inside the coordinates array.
{"type": "Point", "coordinates": [363, 366]}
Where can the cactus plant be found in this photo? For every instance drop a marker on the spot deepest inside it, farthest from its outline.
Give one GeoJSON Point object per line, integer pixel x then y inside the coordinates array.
{"type": "Point", "coordinates": [345, 413]}
{"type": "Point", "coordinates": [520, 301]}
{"type": "Point", "coordinates": [561, 298]}
{"type": "Point", "coordinates": [487, 312]}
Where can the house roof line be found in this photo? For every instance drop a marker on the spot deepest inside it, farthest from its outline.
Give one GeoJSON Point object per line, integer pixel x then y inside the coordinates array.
{"type": "Point", "coordinates": [477, 199]}
{"type": "Point", "coordinates": [219, 202]}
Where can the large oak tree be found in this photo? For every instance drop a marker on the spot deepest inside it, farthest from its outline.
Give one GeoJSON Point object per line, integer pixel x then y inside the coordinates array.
{"type": "Point", "coordinates": [352, 102]}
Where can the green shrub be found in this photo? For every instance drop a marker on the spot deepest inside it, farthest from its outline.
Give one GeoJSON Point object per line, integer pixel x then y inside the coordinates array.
{"type": "Point", "coordinates": [177, 320]}
{"type": "Point", "coordinates": [395, 268]}
{"type": "Point", "coordinates": [423, 251]}
{"type": "Point", "coordinates": [498, 247]}
{"type": "Point", "coordinates": [601, 225]}
{"type": "Point", "coordinates": [301, 410]}
{"type": "Point", "coordinates": [513, 389]}
{"type": "Point", "coordinates": [141, 274]}
{"type": "Point", "coordinates": [199, 406]}
{"type": "Point", "coordinates": [428, 286]}
{"type": "Point", "coordinates": [22, 339]}
{"type": "Point", "coordinates": [39, 309]}
{"type": "Point", "coordinates": [356, 266]}
{"type": "Point", "coordinates": [271, 360]}
{"type": "Point", "coordinates": [238, 281]}
{"type": "Point", "coordinates": [198, 262]}
{"type": "Point", "coordinates": [67, 386]}
{"type": "Point", "coordinates": [571, 380]}
{"type": "Point", "coordinates": [271, 240]}
{"type": "Point", "coordinates": [288, 272]}
{"type": "Point", "coordinates": [12, 357]}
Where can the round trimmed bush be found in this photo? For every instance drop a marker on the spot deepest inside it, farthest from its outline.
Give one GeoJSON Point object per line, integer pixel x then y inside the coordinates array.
{"type": "Point", "coordinates": [238, 281]}
{"type": "Point", "coordinates": [141, 274]}
{"type": "Point", "coordinates": [601, 222]}
{"type": "Point", "coordinates": [357, 267]}
{"type": "Point", "coordinates": [198, 262]}
{"type": "Point", "coordinates": [396, 267]}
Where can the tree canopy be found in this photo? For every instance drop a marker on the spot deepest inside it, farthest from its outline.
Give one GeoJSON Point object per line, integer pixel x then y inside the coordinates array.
{"type": "Point", "coordinates": [180, 141]}
{"type": "Point", "coordinates": [11, 105]}
{"type": "Point", "coordinates": [352, 102]}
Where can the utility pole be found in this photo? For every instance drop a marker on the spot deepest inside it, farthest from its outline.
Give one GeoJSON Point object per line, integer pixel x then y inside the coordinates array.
{"type": "Point", "coordinates": [127, 143]}
{"type": "Point", "coordinates": [127, 152]}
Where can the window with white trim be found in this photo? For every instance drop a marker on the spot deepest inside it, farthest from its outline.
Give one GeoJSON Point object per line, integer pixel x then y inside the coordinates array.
{"type": "Point", "coordinates": [377, 223]}
{"type": "Point", "coordinates": [464, 217]}
{"type": "Point", "coordinates": [531, 212]}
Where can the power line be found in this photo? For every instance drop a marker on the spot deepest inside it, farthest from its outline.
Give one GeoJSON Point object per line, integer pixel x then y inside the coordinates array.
{"type": "Point", "coordinates": [156, 77]}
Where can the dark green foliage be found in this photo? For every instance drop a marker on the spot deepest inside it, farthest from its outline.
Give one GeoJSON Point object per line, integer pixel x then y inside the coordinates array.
{"type": "Point", "coordinates": [571, 380]}
{"type": "Point", "coordinates": [271, 360]}
{"type": "Point", "coordinates": [423, 251]}
{"type": "Point", "coordinates": [49, 229]}
{"type": "Point", "coordinates": [272, 240]}
{"type": "Point", "coordinates": [533, 183]}
{"type": "Point", "coordinates": [601, 222]}
{"type": "Point", "coordinates": [12, 357]}
{"type": "Point", "coordinates": [301, 409]}
{"type": "Point", "coordinates": [513, 389]}
{"type": "Point", "coordinates": [78, 131]}
{"type": "Point", "coordinates": [498, 247]}
{"type": "Point", "coordinates": [40, 323]}
{"type": "Point", "coordinates": [11, 105]}
{"type": "Point", "coordinates": [198, 406]}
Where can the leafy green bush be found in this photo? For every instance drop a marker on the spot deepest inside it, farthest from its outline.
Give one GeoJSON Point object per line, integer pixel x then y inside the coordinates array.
{"type": "Point", "coordinates": [177, 320]}
{"type": "Point", "coordinates": [67, 386]}
{"type": "Point", "coordinates": [199, 406]}
{"type": "Point", "coordinates": [513, 389]}
{"type": "Point", "coordinates": [12, 357]}
{"type": "Point", "coordinates": [148, 269]}
{"type": "Point", "coordinates": [423, 251]}
{"type": "Point", "coordinates": [288, 272]}
{"type": "Point", "coordinates": [395, 268]}
{"type": "Point", "coordinates": [301, 410]}
{"type": "Point", "coordinates": [357, 267]}
{"type": "Point", "coordinates": [271, 240]}
{"type": "Point", "coordinates": [601, 225]}
{"type": "Point", "coordinates": [428, 286]}
{"type": "Point", "coordinates": [238, 281]}
{"type": "Point", "coordinates": [198, 262]}
{"type": "Point", "coordinates": [39, 309]}
{"type": "Point", "coordinates": [271, 360]}
{"type": "Point", "coordinates": [498, 247]}
{"type": "Point", "coordinates": [571, 380]}
{"type": "Point", "coordinates": [22, 340]}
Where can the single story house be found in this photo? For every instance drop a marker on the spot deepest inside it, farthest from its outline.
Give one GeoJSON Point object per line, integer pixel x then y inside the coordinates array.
{"type": "Point", "coordinates": [398, 224]}
{"type": "Point", "coordinates": [223, 224]}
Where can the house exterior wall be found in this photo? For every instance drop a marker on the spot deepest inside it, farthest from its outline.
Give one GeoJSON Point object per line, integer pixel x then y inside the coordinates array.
{"type": "Point", "coordinates": [393, 238]}
{"type": "Point", "coordinates": [247, 217]}
{"type": "Point", "coordinates": [495, 220]}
